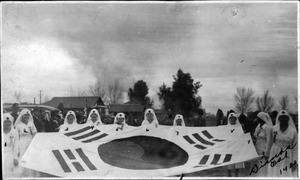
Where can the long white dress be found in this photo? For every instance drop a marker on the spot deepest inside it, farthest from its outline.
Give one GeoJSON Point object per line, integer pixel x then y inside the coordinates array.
{"type": "Point", "coordinates": [262, 134]}
{"type": "Point", "coordinates": [26, 133]}
{"type": "Point", "coordinates": [10, 151]}
{"type": "Point", "coordinates": [282, 141]}
{"type": "Point", "coordinates": [284, 150]}
{"type": "Point", "coordinates": [238, 130]}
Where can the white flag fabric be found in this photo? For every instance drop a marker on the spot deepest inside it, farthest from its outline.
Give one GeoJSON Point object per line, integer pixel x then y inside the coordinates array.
{"type": "Point", "coordinates": [109, 151]}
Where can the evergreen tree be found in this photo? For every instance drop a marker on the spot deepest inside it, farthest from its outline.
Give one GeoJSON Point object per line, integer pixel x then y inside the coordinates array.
{"type": "Point", "coordinates": [139, 93]}
{"type": "Point", "coordinates": [182, 97]}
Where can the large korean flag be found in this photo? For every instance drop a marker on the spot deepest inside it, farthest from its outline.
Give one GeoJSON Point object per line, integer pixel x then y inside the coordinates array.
{"type": "Point", "coordinates": [108, 151]}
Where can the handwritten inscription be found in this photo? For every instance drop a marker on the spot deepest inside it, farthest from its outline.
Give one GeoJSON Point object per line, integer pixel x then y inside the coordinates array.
{"type": "Point", "coordinates": [292, 166]}
{"type": "Point", "coordinates": [273, 160]}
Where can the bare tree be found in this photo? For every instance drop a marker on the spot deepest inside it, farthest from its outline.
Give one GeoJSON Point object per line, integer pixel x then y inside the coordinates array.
{"type": "Point", "coordinates": [244, 99]}
{"type": "Point", "coordinates": [265, 103]}
{"type": "Point", "coordinates": [98, 89]}
{"type": "Point", "coordinates": [115, 91]}
{"type": "Point", "coordinates": [284, 102]}
{"type": "Point", "coordinates": [81, 92]}
{"type": "Point", "coordinates": [19, 95]}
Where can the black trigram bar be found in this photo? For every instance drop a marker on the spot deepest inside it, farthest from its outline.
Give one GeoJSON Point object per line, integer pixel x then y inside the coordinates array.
{"type": "Point", "coordinates": [204, 160]}
{"type": "Point", "coordinates": [227, 158]}
{"type": "Point", "coordinates": [96, 138]}
{"type": "Point", "coordinates": [61, 161]}
{"type": "Point", "coordinates": [188, 139]}
{"type": "Point", "coordinates": [85, 159]}
{"type": "Point", "coordinates": [207, 134]}
{"type": "Point", "coordinates": [218, 140]}
{"type": "Point", "coordinates": [78, 166]}
{"type": "Point", "coordinates": [203, 141]}
{"type": "Point", "coordinates": [87, 135]}
{"type": "Point", "coordinates": [216, 159]}
{"type": "Point", "coordinates": [69, 154]}
{"type": "Point", "coordinates": [78, 131]}
{"type": "Point", "coordinates": [199, 146]}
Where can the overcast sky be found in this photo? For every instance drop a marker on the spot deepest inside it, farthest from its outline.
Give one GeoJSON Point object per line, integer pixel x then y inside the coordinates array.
{"type": "Point", "coordinates": [53, 47]}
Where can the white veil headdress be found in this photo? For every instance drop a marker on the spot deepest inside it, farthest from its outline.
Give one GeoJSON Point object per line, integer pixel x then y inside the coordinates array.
{"type": "Point", "coordinates": [284, 112]}
{"type": "Point", "coordinates": [266, 118]}
{"type": "Point", "coordinates": [66, 119]}
{"type": "Point", "coordinates": [89, 119]}
{"type": "Point", "coordinates": [120, 115]}
{"type": "Point", "coordinates": [22, 113]}
{"type": "Point", "coordinates": [178, 116]}
{"type": "Point", "coordinates": [233, 115]}
{"type": "Point", "coordinates": [155, 121]}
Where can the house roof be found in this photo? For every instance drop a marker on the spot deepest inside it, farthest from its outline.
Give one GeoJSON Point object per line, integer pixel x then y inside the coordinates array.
{"type": "Point", "coordinates": [75, 102]}
{"type": "Point", "coordinates": [126, 108]}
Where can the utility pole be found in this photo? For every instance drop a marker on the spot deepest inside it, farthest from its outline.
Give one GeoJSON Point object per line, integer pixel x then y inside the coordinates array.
{"type": "Point", "coordinates": [40, 96]}
{"type": "Point", "coordinates": [34, 101]}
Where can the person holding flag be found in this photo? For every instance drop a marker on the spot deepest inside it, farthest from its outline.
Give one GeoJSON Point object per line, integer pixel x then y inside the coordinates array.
{"type": "Point", "coordinates": [10, 146]}
{"type": "Point", "coordinates": [120, 120]}
{"type": "Point", "coordinates": [178, 121]}
{"type": "Point", "coordinates": [70, 122]}
{"type": "Point", "coordinates": [150, 119]}
{"type": "Point", "coordinates": [261, 135]}
{"type": "Point", "coordinates": [283, 147]}
{"type": "Point", "coordinates": [178, 124]}
{"type": "Point", "coordinates": [26, 129]}
{"type": "Point", "coordinates": [235, 127]}
{"type": "Point", "coordinates": [94, 118]}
